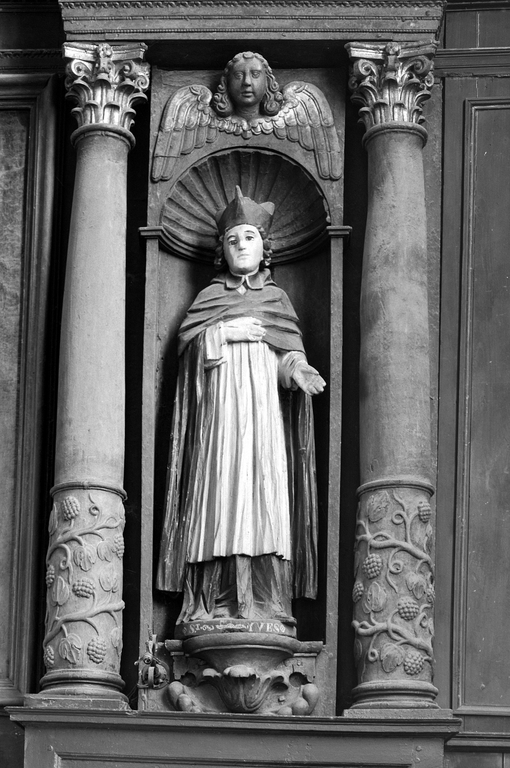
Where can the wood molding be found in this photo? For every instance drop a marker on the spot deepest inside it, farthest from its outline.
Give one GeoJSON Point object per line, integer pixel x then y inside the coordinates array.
{"type": "Point", "coordinates": [477, 5]}
{"type": "Point", "coordinates": [31, 59]}
{"type": "Point", "coordinates": [76, 737]}
{"type": "Point", "coordinates": [473, 107]}
{"type": "Point", "coordinates": [38, 102]}
{"type": "Point", "coordinates": [263, 20]}
{"type": "Point", "coordinates": [470, 62]}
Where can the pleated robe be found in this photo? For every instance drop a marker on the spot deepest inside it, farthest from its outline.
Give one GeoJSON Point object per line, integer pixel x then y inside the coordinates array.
{"type": "Point", "coordinates": [241, 477]}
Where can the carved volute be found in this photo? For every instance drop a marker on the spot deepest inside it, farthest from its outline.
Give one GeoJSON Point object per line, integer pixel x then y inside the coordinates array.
{"type": "Point", "coordinates": [106, 82]}
{"type": "Point", "coordinates": [390, 82]}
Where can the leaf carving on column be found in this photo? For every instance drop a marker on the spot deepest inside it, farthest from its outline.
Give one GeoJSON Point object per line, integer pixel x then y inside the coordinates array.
{"type": "Point", "coordinates": [393, 546]}
{"type": "Point", "coordinates": [84, 577]}
{"type": "Point", "coordinates": [106, 81]}
{"type": "Point", "coordinates": [391, 81]}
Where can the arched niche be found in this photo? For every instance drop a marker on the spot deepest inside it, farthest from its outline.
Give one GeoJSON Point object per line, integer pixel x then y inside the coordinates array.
{"type": "Point", "coordinates": [307, 265]}
{"type": "Point", "coordinates": [188, 227]}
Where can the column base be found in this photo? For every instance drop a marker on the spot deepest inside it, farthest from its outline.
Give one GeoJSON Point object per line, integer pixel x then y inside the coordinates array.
{"type": "Point", "coordinates": [81, 684]}
{"type": "Point", "coordinates": [68, 699]}
{"type": "Point", "coordinates": [396, 695]}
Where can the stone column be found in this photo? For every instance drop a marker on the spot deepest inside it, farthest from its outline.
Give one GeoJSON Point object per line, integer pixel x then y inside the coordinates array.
{"type": "Point", "coordinates": [393, 589]}
{"type": "Point", "coordinates": [83, 639]}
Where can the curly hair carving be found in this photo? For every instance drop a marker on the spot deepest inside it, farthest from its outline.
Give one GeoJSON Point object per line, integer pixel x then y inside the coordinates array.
{"type": "Point", "coordinates": [271, 101]}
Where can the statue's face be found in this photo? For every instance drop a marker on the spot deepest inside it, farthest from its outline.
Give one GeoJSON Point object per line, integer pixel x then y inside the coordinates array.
{"type": "Point", "coordinates": [243, 249]}
{"type": "Point", "coordinates": [247, 82]}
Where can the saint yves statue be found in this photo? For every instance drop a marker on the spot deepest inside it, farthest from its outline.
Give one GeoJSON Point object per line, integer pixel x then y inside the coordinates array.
{"type": "Point", "coordinates": [240, 530]}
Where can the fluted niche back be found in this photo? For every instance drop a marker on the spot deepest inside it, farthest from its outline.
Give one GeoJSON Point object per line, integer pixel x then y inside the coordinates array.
{"type": "Point", "coordinates": [301, 216]}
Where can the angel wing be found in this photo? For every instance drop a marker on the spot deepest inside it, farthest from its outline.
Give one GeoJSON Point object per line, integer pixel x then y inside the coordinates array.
{"type": "Point", "coordinates": [188, 122]}
{"type": "Point", "coordinates": [306, 117]}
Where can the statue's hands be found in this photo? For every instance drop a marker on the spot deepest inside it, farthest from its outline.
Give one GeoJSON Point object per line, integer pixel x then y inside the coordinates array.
{"type": "Point", "coordinates": [243, 329]}
{"type": "Point", "coordinates": [308, 379]}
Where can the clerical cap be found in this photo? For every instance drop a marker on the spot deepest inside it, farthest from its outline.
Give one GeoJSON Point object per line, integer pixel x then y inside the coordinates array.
{"type": "Point", "coordinates": [243, 210]}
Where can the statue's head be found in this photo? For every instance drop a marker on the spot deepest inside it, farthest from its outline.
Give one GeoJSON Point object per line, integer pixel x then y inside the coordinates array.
{"type": "Point", "coordinates": [243, 228]}
{"type": "Point", "coordinates": [247, 82]}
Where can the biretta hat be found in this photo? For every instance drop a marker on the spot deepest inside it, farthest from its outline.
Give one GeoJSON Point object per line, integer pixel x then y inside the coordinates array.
{"type": "Point", "coordinates": [243, 210]}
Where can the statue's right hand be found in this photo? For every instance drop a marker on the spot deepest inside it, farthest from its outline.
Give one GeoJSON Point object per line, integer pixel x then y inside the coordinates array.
{"type": "Point", "coordinates": [243, 329]}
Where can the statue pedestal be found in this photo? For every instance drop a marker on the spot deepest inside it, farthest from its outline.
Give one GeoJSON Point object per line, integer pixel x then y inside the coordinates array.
{"type": "Point", "coordinates": [228, 665]}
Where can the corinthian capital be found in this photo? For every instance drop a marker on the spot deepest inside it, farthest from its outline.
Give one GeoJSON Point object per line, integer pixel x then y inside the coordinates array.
{"type": "Point", "coordinates": [391, 80]}
{"type": "Point", "coordinates": [106, 81]}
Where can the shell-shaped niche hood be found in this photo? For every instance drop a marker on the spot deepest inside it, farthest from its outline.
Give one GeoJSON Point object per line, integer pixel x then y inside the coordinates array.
{"type": "Point", "coordinates": [301, 216]}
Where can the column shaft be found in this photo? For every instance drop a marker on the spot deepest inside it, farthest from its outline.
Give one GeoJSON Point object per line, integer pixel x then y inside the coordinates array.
{"type": "Point", "coordinates": [394, 365]}
{"type": "Point", "coordinates": [393, 591]}
{"type": "Point", "coordinates": [90, 426]}
{"type": "Point", "coordinates": [83, 641]}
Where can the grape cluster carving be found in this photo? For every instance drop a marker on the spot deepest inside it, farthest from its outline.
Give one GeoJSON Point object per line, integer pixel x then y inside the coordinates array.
{"type": "Point", "coordinates": [96, 650]}
{"type": "Point", "coordinates": [79, 564]}
{"type": "Point", "coordinates": [372, 566]}
{"type": "Point", "coordinates": [393, 621]}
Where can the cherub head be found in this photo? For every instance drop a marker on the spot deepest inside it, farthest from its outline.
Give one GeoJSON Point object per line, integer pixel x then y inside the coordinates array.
{"type": "Point", "coordinates": [243, 242]}
{"type": "Point", "coordinates": [247, 88]}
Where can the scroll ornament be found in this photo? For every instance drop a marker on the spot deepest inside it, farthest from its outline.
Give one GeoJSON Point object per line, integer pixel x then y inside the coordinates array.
{"type": "Point", "coordinates": [106, 81]}
{"type": "Point", "coordinates": [390, 82]}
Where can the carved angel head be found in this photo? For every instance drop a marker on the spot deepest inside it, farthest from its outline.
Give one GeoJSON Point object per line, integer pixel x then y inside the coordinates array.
{"type": "Point", "coordinates": [247, 82]}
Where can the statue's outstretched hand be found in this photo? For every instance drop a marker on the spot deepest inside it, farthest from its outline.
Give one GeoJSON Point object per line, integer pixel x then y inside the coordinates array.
{"type": "Point", "coordinates": [243, 329]}
{"type": "Point", "coordinates": [308, 379]}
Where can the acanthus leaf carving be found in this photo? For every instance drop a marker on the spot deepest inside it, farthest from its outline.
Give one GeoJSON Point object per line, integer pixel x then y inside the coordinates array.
{"type": "Point", "coordinates": [106, 81]}
{"type": "Point", "coordinates": [391, 81]}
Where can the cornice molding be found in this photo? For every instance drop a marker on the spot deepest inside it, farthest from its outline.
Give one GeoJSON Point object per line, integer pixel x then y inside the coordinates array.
{"type": "Point", "coordinates": [264, 19]}
{"type": "Point", "coordinates": [30, 6]}
{"type": "Point", "coordinates": [32, 59]}
{"type": "Point", "coordinates": [469, 62]}
{"type": "Point", "coordinates": [133, 5]}
{"type": "Point", "coordinates": [31, 53]}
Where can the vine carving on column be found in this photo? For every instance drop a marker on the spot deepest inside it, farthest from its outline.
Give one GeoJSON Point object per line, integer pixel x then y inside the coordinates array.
{"type": "Point", "coordinates": [394, 584]}
{"type": "Point", "coordinates": [84, 580]}
{"type": "Point", "coordinates": [391, 81]}
{"type": "Point", "coordinates": [106, 81]}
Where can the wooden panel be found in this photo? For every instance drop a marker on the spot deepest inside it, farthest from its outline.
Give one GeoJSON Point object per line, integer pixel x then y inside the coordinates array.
{"type": "Point", "coordinates": [14, 127]}
{"type": "Point", "coordinates": [484, 435]}
{"type": "Point", "coordinates": [473, 760]}
{"type": "Point", "coordinates": [494, 28]}
{"type": "Point", "coordinates": [27, 145]}
{"type": "Point", "coordinates": [11, 742]}
{"type": "Point", "coordinates": [471, 612]}
{"type": "Point", "coordinates": [81, 738]}
{"type": "Point", "coordinates": [474, 26]}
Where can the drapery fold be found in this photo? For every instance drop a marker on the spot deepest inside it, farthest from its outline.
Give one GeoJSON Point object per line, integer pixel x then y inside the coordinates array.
{"type": "Point", "coordinates": [241, 477]}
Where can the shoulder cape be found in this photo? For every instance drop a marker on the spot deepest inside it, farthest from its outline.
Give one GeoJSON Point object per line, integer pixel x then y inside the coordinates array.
{"type": "Point", "coordinates": [268, 303]}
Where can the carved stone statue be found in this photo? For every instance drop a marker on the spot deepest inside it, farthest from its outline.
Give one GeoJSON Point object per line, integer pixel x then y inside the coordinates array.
{"type": "Point", "coordinates": [240, 530]}
{"type": "Point", "coordinates": [248, 102]}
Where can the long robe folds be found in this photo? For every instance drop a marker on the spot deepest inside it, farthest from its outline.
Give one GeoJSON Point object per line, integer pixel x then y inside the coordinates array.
{"type": "Point", "coordinates": [241, 477]}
